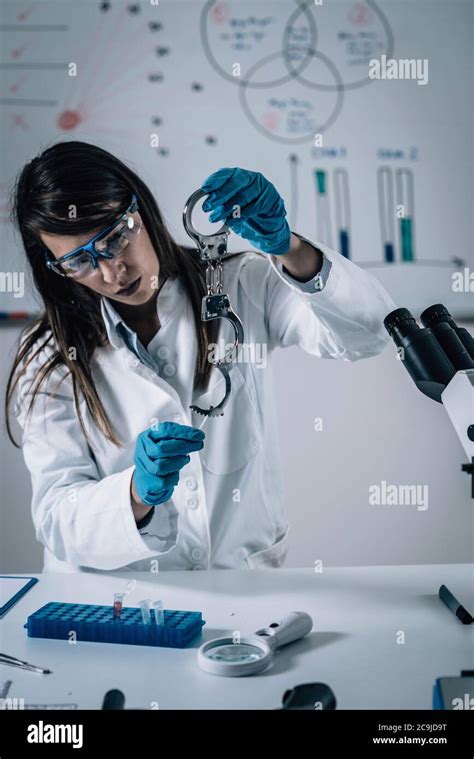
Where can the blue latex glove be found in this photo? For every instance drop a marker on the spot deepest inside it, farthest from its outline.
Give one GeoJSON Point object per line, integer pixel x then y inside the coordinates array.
{"type": "Point", "coordinates": [159, 455]}
{"type": "Point", "coordinates": [262, 210]}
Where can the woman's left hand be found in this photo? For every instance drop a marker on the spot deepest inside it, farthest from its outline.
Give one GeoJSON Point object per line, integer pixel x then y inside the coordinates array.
{"type": "Point", "coordinates": [250, 205]}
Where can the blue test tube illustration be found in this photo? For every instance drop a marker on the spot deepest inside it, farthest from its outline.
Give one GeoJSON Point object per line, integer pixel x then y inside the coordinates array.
{"type": "Point", "coordinates": [342, 210]}
{"type": "Point", "coordinates": [386, 212]}
{"type": "Point", "coordinates": [323, 213]}
{"type": "Point", "coordinates": [405, 198]}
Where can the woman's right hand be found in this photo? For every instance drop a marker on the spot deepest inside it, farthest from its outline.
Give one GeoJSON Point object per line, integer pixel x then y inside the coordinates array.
{"type": "Point", "coordinates": [159, 455]}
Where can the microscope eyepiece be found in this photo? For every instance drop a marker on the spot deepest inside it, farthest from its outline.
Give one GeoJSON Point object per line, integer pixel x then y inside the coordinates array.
{"type": "Point", "coordinates": [422, 356]}
{"type": "Point", "coordinates": [400, 323]}
{"type": "Point", "coordinates": [435, 313]}
{"type": "Point", "coordinates": [457, 342]}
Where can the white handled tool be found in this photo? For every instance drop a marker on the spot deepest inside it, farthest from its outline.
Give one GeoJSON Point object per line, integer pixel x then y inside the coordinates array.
{"type": "Point", "coordinates": [236, 656]}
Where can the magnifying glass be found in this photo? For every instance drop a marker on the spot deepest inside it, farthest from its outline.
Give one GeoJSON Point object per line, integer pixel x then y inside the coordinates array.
{"type": "Point", "coordinates": [236, 656]}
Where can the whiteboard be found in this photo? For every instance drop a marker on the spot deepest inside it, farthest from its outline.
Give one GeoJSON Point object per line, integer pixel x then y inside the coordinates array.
{"type": "Point", "coordinates": [276, 86]}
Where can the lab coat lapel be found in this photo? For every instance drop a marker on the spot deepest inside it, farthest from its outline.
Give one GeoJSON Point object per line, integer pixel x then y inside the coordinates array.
{"type": "Point", "coordinates": [121, 366]}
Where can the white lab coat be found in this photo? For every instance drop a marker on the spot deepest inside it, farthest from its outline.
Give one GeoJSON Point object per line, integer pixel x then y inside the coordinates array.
{"type": "Point", "coordinates": [227, 509]}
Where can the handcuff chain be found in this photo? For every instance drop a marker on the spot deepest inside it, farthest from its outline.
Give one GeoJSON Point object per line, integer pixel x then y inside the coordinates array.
{"type": "Point", "coordinates": [214, 278]}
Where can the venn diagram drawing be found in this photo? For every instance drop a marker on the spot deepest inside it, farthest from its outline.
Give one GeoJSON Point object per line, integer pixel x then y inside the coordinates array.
{"type": "Point", "coordinates": [297, 91]}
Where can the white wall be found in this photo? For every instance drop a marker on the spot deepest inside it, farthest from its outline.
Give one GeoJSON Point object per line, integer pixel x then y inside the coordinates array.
{"type": "Point", "coordinates": [376, 426]}
{"type": "Point", "coordinates": [19, 550]}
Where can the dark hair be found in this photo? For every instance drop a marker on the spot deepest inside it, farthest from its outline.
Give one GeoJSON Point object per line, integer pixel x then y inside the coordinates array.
{"type": "Point", "coordinates": [89, 178]}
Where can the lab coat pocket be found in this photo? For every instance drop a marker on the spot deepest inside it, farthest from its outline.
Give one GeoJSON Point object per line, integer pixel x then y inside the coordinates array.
{"type": "Point", "coordinates": [232, 439]}
{"type": "Point", "coordinates": [274, 556]}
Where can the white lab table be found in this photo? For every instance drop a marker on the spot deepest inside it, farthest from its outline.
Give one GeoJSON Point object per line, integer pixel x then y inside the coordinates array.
{"type": "Point", "coordinates": [360, 615]}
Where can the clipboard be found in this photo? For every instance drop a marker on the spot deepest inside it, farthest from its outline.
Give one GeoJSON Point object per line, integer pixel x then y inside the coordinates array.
{"type": "Point", "coordinates": [10, 596]}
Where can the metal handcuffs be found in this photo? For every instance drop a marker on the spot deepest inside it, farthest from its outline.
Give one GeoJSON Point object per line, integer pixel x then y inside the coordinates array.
{"type": "Point", "coordinates": [216, 304]}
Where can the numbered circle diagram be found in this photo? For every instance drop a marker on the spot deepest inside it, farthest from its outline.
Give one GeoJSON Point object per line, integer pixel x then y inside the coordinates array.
{"type": "Point", "coordinates": [234, 40]}
{"type": "Point", "coordinates": [351, 36]}
{"type": "Point", "coordinates": [291, 112]}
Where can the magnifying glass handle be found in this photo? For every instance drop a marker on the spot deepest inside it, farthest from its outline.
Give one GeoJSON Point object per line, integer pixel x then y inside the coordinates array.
{"type": "Point", "coordinates": [296, 625]}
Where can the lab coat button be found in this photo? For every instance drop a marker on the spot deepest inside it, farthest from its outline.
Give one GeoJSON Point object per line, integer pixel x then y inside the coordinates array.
{"type": "Point", "coordinates": [191, 483]}
{"type": "Point", "coordinates": [197, 554]}
{"type": "Point", "coordinates": [135, 363]}
{"type": "Point", "coordinates": [169, 370]}
{"type": "Point", "coordinates": [163, 352]}
{"type": "Point", "coordinates": [199, 566]}
{"type": "Point", "coordinates": [192, 503]}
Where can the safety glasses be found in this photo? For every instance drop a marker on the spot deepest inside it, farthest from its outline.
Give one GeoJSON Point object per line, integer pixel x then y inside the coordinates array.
{"type": "Point", "coordinates": [113, 242]}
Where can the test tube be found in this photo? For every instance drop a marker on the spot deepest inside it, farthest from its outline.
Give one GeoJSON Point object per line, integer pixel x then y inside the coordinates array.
{"type": "Point", "coordinates": [343, 214]}
{"type": "Point", "coordinates": [386, 211]}
{"type": "Point", "coordinates": [145, 607]}
{"type": "Point", "coordinates": [118, 603]}
{"type": "Point", "coordinates": [294, 190]}
{"type": "Point", "coordinates": [323, 214]}
{"type": "Point", "coordinates": [159, 612]}
{"type": "Point", "coordinates": [405, 194]}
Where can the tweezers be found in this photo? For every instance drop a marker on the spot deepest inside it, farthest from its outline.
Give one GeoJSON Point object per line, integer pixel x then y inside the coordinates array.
{"type": "Point", "coordinates": [13, 662]}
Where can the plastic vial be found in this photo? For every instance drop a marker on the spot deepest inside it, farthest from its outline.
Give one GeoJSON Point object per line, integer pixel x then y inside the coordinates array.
{"type": "Point", "coordinates": [145, 607]}
{"type": "Point", "coordinates": [159, 613]}
{"type": "Point", "coordinates": [118, 604]}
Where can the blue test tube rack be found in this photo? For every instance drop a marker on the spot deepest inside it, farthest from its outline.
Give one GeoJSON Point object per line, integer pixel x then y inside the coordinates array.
{"type": "Point", "coordinates": [96, 623]}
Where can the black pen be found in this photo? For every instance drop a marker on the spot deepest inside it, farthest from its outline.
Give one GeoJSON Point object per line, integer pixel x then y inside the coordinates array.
{"type": "Point", "coordinates": [453, 605]}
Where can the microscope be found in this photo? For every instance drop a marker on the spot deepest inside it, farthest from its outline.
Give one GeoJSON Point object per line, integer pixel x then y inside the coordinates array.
{"type": "Point", "coordinates": [440, 360]}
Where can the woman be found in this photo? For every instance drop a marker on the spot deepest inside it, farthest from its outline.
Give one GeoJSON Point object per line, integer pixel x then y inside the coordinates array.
{"type": "Point", "coordinates": [103, 381]}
